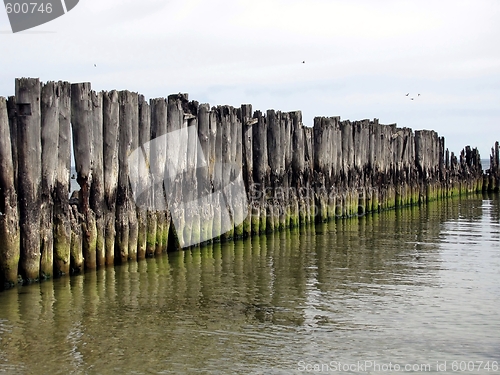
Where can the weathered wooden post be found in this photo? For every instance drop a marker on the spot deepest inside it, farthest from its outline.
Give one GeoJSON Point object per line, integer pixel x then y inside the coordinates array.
{"type": "Point", "coordinates": [97, 186]}
{"type": "Point", "coordinates": [309, 175]}
{"type": "Point", "coordinates": [111, 111]}
{"type": "Point", "coordinates": [190, 183]}
{"type": "Point", "coordinates": [350, 207]}
{"type": "Point", "coordinates": [494, 174]}
{"type": "Point", "coordinates": [157, 218]}
{"type": "Point", "coordinates": [221, 177]}
{"type": "Point", "coordinates": [323, 145]}
{"type": "Point", "coordinates": [276, 161]}
{"type": "Point", "coordinates": [236, 171]}
{"type": "Point", "coordinates": [361, 154]}
{"type": "Point", "coordinates": [298, 197]}
{"type": "Point", "coordinates": [82, 126]}
{"type": "Point", "coordinates": [227, 154]}
{"type": "Point", "coordinates": [336, 179]}
{"type": "Point", "coordinates": [30, 172]}
{"type": "Point", "coordinates": [247, 162]}
{"type": "Point", "coordinates": [204, 183]}
{"type": "Point", "coordinates": [12, 113]}
{"type": "Point", "coordinates": [215, 171]}
{"type": "Point", "coordinates": [50, 142]}
{"type": "Point", "coordinates": [288, 212]}
{"type": "Point", "coordinates": [420, 161]}
{"type": "Point", "coordinates": [62, 215]}
{"type": "Point", "coordinates": [133, 171]}
{"type": "Point", "coordinates": [261, 171]}
{"type": "Point", "coordinates": [126, 221]}
{"type": "Point", "coordinates": [143, 201]}
{"type": "Point", "coordinates": [9, 216]}
{"type": "Point", "coordinates": [174, 180]}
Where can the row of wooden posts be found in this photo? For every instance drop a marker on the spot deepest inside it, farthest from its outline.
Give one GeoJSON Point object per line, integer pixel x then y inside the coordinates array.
{"type": "Point", "coordinates": [292, 174]}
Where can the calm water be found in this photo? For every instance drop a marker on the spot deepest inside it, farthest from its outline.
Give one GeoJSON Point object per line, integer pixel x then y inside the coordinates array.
{"type": "Point", "coordinates": [412, 287]}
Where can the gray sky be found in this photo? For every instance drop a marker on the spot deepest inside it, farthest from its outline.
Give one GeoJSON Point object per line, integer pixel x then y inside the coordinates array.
{"type": "Point", "coordinates": [362, 57]}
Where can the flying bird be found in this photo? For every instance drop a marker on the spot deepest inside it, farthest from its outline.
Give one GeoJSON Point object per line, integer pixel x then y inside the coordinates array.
{"type": "Point", "coordinates": [411, 98]}
{"type": "Point", "coordinates": [418, 95]}
{"type": "Point", "coordinates": [303, 62]}
{"type": "Point", "coordinates": [407, 94]}
{"type": "Point", "coordinates": [95, 65]}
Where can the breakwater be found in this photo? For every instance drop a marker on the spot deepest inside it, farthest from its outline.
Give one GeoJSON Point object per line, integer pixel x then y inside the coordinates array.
{"type": "Point", "coordinates": [159, 175]}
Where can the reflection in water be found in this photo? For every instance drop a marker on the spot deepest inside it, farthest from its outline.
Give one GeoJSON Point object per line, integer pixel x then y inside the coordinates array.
{"type": "Point", "coordinates": [407, 286]}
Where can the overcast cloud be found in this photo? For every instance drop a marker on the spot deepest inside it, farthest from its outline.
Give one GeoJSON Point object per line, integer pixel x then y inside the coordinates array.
{"type": "Point", "coordinates": [362, 57]}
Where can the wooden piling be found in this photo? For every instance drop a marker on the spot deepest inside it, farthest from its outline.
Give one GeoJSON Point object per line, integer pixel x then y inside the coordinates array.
{"type": "Point", "coordinates": [298, 199]}
{"type": "Point", "coordinates": [174, 179]}
{"type": "Point", "coordinates": [275, 157]}
{"type": "Point", "coordinates": [126, 220]}
{"type": "Point", "coordinates": [309, 175]}
{"type": "Point", "coordinates": [289, 211]}
{"type": "Point", "coordinates": [238, 210]}
{"type": "Point", "coordinates": [9, 215]}
{"type": "Point", "coordinates": [143, 201]}
{"type": "Point", "coordinates": [227, 153]}
{"type": "Point", "coordinates": [82, 127]}
{"type": "Point", "coordinates": [133, 171]}
{"type": "Point", "coordinates": [50, 142]}
{"type": "Point", "coordinates": [111, 115]}
{"type": "Point", "coordinates": [322, 163]}
{"type": "Point", "coordinates": [12, 114]}
{"type": "Point", "coordinates": [62, 216]}
{"type": "Point", "coordinates": [247, 163]}
{"type": "Point", "coordinates": [190, 185]}
{"type": "Point", "coordinates": [203, 173]}
{"type": "Point", "coordinates": [261, 171]}
{"type": "Point", "coordinates": [97, 186]}
{"type": "Point", "coordinates": [30, 171]}
{"type": "Point", "coordinates": [215, 171]}
{"type": "Point", "coordinates": [158, 224]}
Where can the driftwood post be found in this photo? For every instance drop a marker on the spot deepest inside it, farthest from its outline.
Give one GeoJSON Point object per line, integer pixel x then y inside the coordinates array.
{"type": "Point", "coordinates": [29, 171]}
{"type": "Point", "coordinates": [111, 111]}
{"type": "Point", "coordinates": [157, 221]}
{"type": "Point", "coordinates": [204, 184]}
{"type": "Point", "coordinates": [261, 172]}
{"type": "Point", "coordinates": [308, 174]}
{"type": "Point", "coordinates": [288, 211]}
{"type": "Point", "coordinates": [216, 160]}
{"type": "Point", "coordinates": [50, 140]}
{"type": "Point", "coordinates": [247, 123]}
{"type": "Point", "coordinates": [278, 142]}
{"type": "Point", "coordinates": [322, 155]}
{"type": "Point", "coordinates": [143, 201]}
{"type": "Point", "coordinates": [297, 180]}
{"type": "Point", "coordinates": [192, 212]}
{"type": "Point", "coordinates": [133, 171]}
{"type": "Point", "coordinates": [237, 198]}
{"type": "Point", "coordinates": [227, 158]}
{"type": "Point", "coordinates": [9, 217]}
{"type": "Point", "coordinates": [12, 113]}
{"type": "Point", "coordinates": [97, 187]}
{"type": "Point", "coordinates": [62, 224]}
{"type": "Point", "coordinates": [82, 126]}
{"type": "Point", "coordinates": [174, 179]}
{"type": "Point", "coordinates": [126, 221]}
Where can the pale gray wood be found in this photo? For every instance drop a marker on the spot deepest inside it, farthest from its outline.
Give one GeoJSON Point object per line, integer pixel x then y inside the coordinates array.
{"type": "Point", "coordinates": [9, 214]}
{"type": "Point", "coordinates": [29, 147]}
